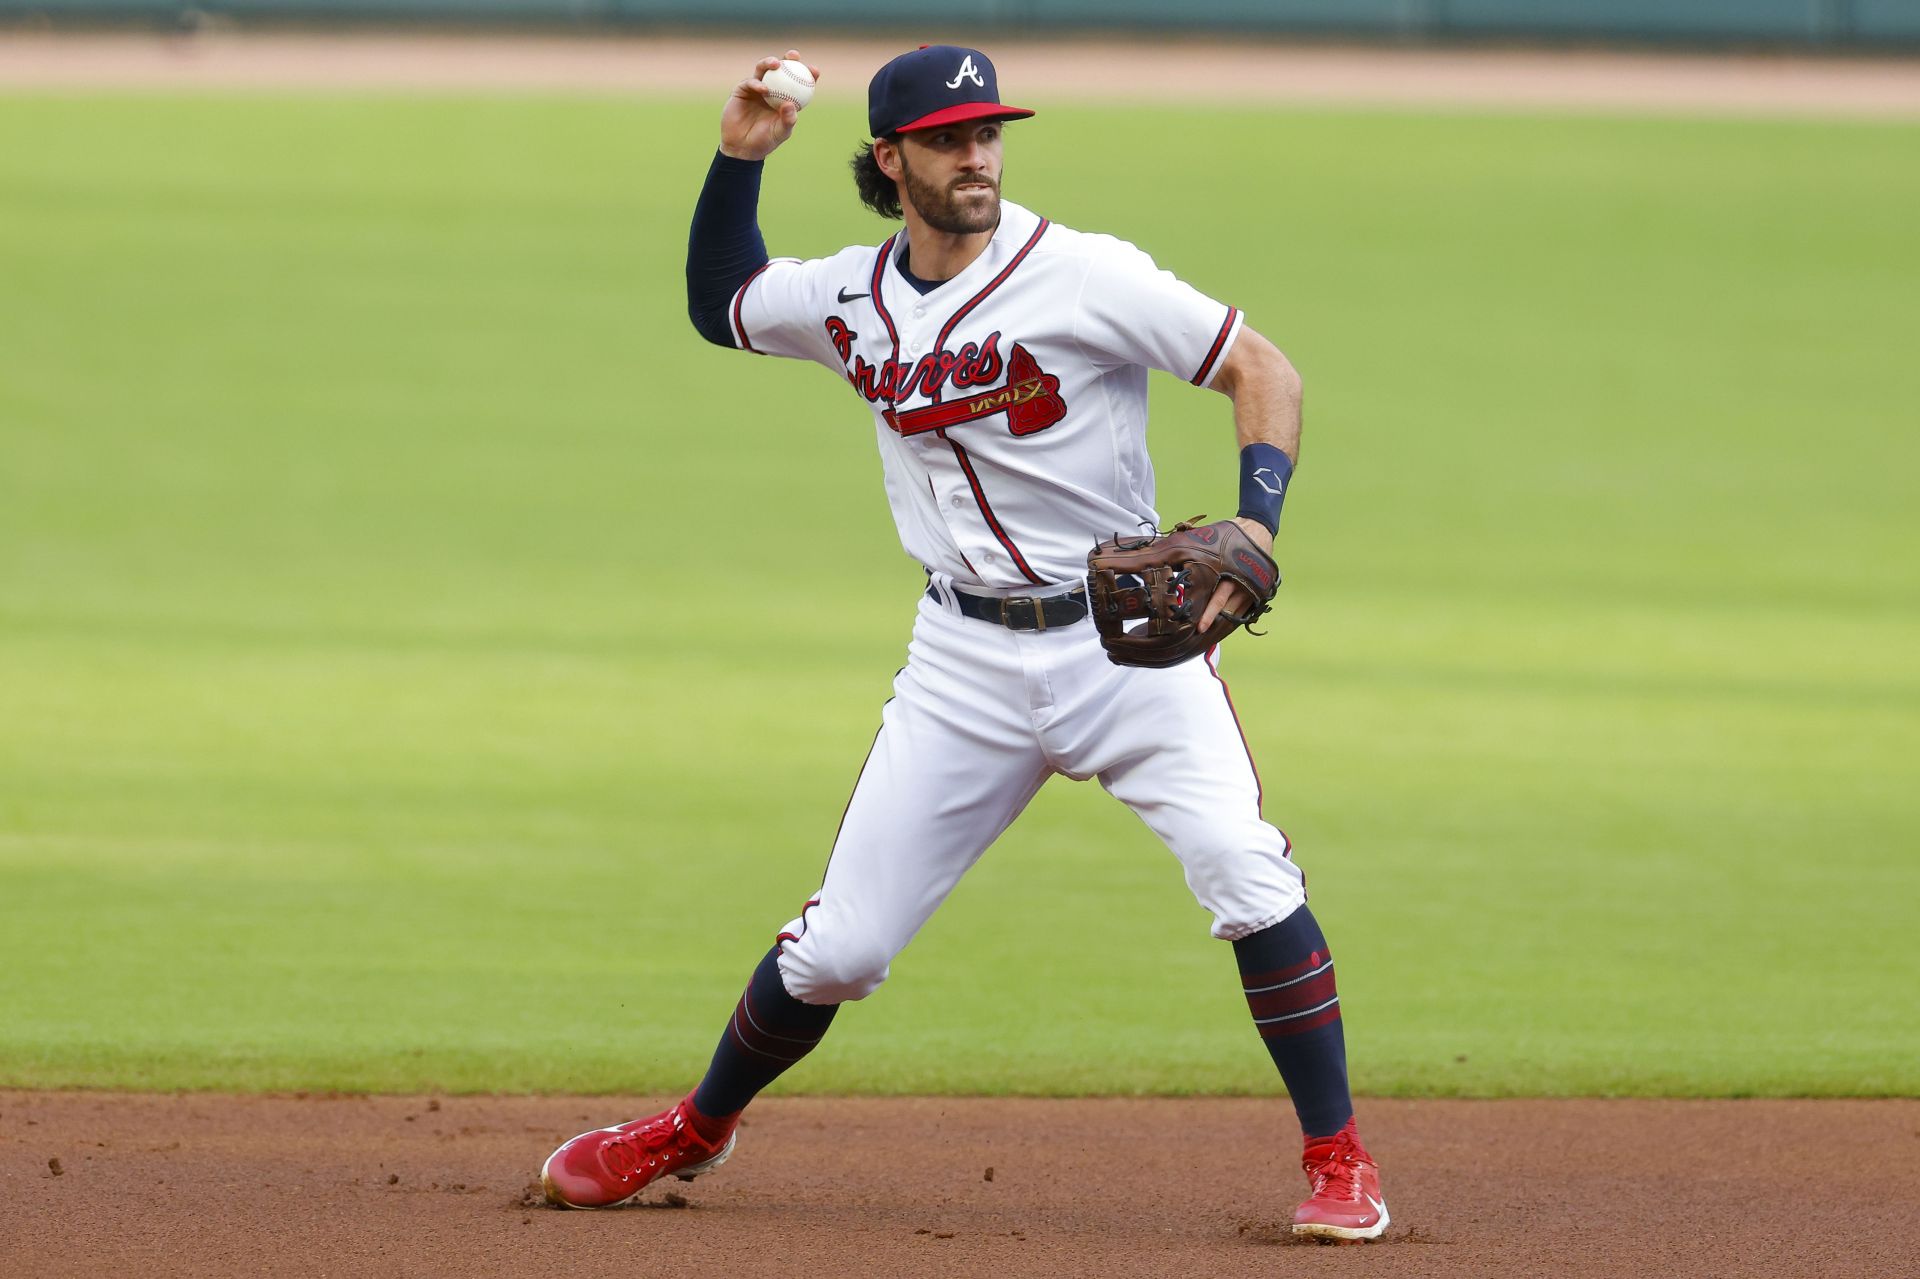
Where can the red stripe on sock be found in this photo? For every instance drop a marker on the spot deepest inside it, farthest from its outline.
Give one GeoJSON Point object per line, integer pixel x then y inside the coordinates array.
{"type": "Point", "coordinates": [1292, 999]}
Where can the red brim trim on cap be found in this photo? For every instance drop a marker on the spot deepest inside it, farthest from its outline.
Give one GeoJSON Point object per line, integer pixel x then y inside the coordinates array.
{"type": "Point", "coordinates": [964, 111]}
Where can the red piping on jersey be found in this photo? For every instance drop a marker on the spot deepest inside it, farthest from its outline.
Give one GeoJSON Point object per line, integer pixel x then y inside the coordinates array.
{"type": "Point", "coordinates": [946, 330]}
{"type": "Point", "coordinates": [811, 903]}
{"type": "Point", "coordinates": [739, 326]}
{"type": "Point", "coordinates": [973, 480]}
{"type": "Point", "coordinates": [979, 496]}
{"type": "Point", "coordinates": [893, 335]}
{"type": "Point", "coordinates": [848, 806]}
{"type": "Point", "coordinates": [879, 303]}
{"type": "Point", "coordinates": [1206, 365]}
{"type": "Point", "coordinates": [936, 505]}
{"type": "Point", "coordinates": [1260, 793]}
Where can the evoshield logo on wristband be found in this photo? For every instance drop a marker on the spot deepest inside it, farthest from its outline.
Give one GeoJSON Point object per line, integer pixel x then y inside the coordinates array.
{"type": "Point", "coordinates": [1264, 472]}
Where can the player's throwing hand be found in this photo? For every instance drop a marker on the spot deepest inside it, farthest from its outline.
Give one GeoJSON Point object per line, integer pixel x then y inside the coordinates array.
{"type": "Point", "coordinates": [752, 124]}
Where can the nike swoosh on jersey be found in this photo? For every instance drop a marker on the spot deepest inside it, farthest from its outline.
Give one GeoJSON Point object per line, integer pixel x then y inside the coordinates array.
{"type": "Point", "coordinates": [852, 297]}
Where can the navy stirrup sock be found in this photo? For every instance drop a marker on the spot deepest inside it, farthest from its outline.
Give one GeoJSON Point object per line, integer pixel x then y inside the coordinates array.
{"type": "Point", "coordinates": [770, 1030]}
{"type": "Point", "coordinates": [1287, 973]}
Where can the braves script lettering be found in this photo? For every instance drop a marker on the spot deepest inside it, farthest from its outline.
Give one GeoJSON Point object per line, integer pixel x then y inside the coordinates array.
{"type": "Point", "coordinates": [1030, 397]}
{"type": "Point", "coordinates": [975, 364]}
{"type": "Point", "coordinates": [841, 336]}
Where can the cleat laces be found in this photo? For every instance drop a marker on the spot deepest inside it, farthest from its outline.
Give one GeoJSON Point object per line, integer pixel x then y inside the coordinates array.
{"type": "Point", "coordinates": [1334, 1171]}
{"type": "Point", "coordinates": [645, 1149]}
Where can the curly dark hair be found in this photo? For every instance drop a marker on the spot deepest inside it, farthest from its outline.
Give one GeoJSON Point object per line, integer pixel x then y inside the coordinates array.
{"type": "Point", "coordinates": [877, 190]}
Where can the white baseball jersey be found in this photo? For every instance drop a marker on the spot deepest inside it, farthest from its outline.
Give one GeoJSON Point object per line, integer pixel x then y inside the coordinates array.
{"type": "Point", "coordinates": [1010, 405]}
{"type": "Point", "coordinates": [1010, 402]}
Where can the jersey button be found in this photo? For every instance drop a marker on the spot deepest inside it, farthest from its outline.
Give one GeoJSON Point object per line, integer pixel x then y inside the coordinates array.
{"type": "Point", "coordinates": [919, 310]}
{"type": "Point", "coordinates": [958, 500]}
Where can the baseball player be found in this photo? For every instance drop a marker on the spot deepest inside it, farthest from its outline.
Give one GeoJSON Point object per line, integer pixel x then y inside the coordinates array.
{"type": "Point", "coordinates": [1003, 359]}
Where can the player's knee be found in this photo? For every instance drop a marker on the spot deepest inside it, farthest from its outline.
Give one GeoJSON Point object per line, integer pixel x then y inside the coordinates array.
{"type": "Point", "coordinates": [1245, 879]}
{"type": "Point", "coordinates": [821, 974]}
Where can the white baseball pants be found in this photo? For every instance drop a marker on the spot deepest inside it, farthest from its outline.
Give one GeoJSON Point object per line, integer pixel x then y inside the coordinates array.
{"type": "Point", "coordinates": [981, 716]}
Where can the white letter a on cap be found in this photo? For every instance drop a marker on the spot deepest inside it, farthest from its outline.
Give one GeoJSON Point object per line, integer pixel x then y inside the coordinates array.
{"type": "Point", "coordinates": [967, 72]}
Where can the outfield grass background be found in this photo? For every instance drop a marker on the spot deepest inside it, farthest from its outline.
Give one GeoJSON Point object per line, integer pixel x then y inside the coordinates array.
{"type": "Point", "coordinates": [424, 663]}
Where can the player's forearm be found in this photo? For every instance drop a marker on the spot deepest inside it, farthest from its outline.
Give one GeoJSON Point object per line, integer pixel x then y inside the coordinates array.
{"type": "Point", "coordinates": [1265, 390]}
{"type": "Point", "coordinates": [724, 246]}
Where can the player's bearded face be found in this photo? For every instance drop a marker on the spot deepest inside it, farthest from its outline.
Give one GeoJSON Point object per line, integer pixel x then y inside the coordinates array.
{"type": "Point", "coordinates": [953, 177]}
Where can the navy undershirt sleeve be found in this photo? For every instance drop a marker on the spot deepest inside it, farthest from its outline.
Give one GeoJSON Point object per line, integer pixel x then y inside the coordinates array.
{"type": "Point", "coordinates": [724, 248]}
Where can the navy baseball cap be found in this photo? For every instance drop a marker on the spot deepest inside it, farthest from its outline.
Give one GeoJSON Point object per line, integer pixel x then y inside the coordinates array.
{"type": "Point", "coordinates": [936, 84]}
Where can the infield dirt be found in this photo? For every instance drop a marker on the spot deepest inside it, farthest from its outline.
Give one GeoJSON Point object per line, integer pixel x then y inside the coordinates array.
{"type": "Point", "coordinates": [101, 1183]}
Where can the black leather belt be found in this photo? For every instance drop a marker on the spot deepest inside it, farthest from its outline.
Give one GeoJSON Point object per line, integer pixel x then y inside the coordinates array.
{"type": "Point", "coordinates": [1022, 612]}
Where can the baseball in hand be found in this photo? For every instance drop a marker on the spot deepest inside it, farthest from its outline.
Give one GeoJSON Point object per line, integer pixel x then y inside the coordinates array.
{"type": "Point", "coordinates": [790, 81]}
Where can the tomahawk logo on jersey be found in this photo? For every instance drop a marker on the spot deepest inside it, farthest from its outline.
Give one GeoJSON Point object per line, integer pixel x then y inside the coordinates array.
{"type": "Point", "coordinates": [1010, 402]}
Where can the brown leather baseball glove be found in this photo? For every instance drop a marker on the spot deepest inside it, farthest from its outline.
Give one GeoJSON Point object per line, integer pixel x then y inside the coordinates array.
{"type": "Point", "coordinates": [1162, 585]}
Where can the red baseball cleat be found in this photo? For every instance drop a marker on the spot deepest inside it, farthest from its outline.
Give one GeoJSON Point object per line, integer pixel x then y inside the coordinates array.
{"type": "Point", "coordinates": [1346, 1204]}
{"type": "Point", "coordinates": [610, 1165]}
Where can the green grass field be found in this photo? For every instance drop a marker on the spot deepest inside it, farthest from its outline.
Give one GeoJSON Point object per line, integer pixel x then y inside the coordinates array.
{"type": "Point", "coordinates": [424, 663]}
